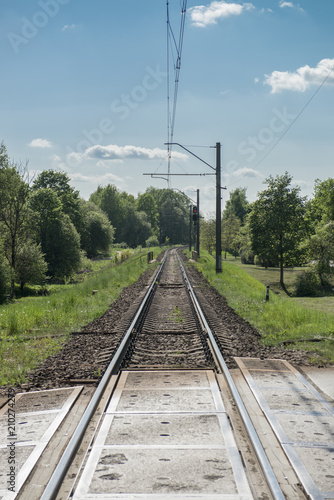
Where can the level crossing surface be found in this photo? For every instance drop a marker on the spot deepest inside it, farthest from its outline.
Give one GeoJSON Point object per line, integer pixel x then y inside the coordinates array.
{"type": "Point", "coordinates": [301, 418]}
{"type": "Point", "coordinates": [165, 435]}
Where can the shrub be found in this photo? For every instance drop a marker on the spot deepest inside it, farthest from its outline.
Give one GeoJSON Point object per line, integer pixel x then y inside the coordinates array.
{"type": "Point", "coordinates": [307, 284]}
{"type": "Point", "coordinates": [30, 265]}
{"type": "Point", "coordinates": [264, 261]}
{"type": "Point", "coordinates": [152, 241]}
{"type": "Point", "coordinates": [119, 245]}
{"type": "Point", "coordinates": [247, 257]}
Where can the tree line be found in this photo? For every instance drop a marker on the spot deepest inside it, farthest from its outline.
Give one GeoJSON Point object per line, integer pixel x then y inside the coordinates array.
{"type": "Point", "coordinates": [281, 228]}
{"type": "Point", "coordinates": [46, 228]}
{"type": "Point", "coordinates": [154, 217]}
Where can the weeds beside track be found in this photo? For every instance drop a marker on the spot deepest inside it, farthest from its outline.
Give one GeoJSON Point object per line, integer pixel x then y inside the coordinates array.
{"type": "Point", "coordinates": [32, 328]}
{"type": "Point", "coordinates": [282, 319]}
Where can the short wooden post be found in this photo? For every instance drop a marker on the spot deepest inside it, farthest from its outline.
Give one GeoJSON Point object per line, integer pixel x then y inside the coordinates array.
{"type": "Point", "coordinates": [149, 256]}
{"type": "Point", "coordinates": [267, 293]}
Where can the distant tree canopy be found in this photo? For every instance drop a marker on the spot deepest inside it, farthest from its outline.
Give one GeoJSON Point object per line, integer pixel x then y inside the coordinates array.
{"type": "Point", "coordinates": [46, 228]}
{"type": "Point", "coordinates": [157, 212]}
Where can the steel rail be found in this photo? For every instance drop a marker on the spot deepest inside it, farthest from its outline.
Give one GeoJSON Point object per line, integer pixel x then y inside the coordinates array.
{"type": "Point", "coordinates": [258, 448]}
{"type": "Point", "coordinates": [65, 461]}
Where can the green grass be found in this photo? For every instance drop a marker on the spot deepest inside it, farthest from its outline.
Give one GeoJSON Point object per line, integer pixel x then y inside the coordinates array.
{"type": "Point", "coordinates": [281, 319]}
{"type": "Point", "coordinates": [271, 276]}
{"type": "Point", "coordinates": [25, 322]}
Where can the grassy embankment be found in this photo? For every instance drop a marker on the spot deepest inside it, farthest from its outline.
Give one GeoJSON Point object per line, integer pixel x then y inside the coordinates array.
{"type": "Point", "coordinates": [281, 319]}
{"type": "Point", "coordinates": [28, 325]}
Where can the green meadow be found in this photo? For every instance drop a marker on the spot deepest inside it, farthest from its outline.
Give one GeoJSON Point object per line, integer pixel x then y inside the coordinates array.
{"type": "Point", "coordinates": [308, 323]}
{"type": "Point", "coordinates": [33, 327]}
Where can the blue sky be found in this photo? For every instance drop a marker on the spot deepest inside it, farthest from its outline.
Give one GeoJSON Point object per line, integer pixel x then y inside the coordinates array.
{"type": "Point", "coordinates": [83, 89]}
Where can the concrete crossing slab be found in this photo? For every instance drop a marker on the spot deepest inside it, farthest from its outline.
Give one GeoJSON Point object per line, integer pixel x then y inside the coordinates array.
{"type": "Point", "coordinates": [27, 424]}
{"type": "Point", "coordinates": [302, 419]}
{"type": "Point", "coordinates": [159, 442]}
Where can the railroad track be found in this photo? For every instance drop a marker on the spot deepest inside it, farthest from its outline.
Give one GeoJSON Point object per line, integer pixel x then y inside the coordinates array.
{"type": "Point", "coordinates": [171, 343]}
{"type": "Point", "coordinates": [169, 312]}
{"type": "Point", "coordinates": [169, 333]}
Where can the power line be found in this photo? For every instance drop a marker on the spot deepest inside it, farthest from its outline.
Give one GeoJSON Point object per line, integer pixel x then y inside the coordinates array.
{"type": "Point", "coordinates": [177, 67]}
{"type": "Point", "coordinates": [291, 124]}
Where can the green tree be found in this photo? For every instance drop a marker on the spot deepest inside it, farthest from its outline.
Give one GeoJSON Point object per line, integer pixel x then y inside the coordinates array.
{"type": "Point", "coordinates": [109, 200]}
{"type": "Point", "coordinates": [277, 221]}
{"type": "Point", "coordinates": [322, 205]}
{"type": "Point", "coordinates": [320, 248]}
{"type": "Point", "coordinates": [63, 252]}
{"type": "Point", "coordinates": [237, 205]}
{"type": "Point", "coordinates": [47, 208]}
{"type": "Point", "coordinates": [4, 159]}
{"type": "Point", "coordinates": [14, 216]}
{"type": "Point", "coordinates": [97, 233]}
{"type": "Point", "coordinates": [59, 183]}
{"type": "Point", "coordinates": [173, 215]}
{"type": "Point", "coordinates": [245, 244]}
{"type": "Point", "coordinates": [208, 234]}
{"type": "Point", "coordinates": [146, 203]}
{"type": "Point", "coordinates": [30, 266]}
{"type": "Point", "coordinates": [135, 221]}
{"type": "Point", "coordinates": [60, 241]}
{"type": "Point", "coordinates": [230, 232]}
{"type": "Point", "coordinates": [135, 229]}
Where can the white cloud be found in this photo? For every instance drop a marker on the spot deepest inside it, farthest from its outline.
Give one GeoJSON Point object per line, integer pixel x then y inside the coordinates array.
{"type": "Point", "coordinates": [40, 143]}
{"type": "Point", "coordinates": [69, 27]}
{"type": "Point", "coordinates": [203, 15]}
{"type": "Point", "coordinates": [247, 172]}
{"type": "Point", "coordinates": [99, 179]}
{"type": "Point", "coordinates": [114, 152]}
{"type": "Point", "coordinates": [290, 5]}
{"type": "Point", "coordinates": [103, 163]}
{"type": "Point", "coordinates": [302, 183]}
{"type": "Point", "coordinates": [303, 78]}
{"type": "Point", "coordinates": [58, 162]}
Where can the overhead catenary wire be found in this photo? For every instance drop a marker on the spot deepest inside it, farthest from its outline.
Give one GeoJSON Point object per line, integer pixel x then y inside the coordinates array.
{"type": "Point", "coordinates": [291, 124]}
{"type": "Point", "coordinates": [171, 42]}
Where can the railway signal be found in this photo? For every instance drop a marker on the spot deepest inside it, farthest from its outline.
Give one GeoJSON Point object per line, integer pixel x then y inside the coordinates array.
{"type": "Point", "coordinates": [195, 215]}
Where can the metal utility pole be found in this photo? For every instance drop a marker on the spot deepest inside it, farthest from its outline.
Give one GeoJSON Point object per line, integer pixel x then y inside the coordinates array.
{"type": "Point", "coordinates": [218, 211]}
{"type": "Point", "coordinates": [198, 212]}
{"type": "Point", "coordinates": [190, 224]}
{"type": "Point", "coordinates": [218, 198]}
